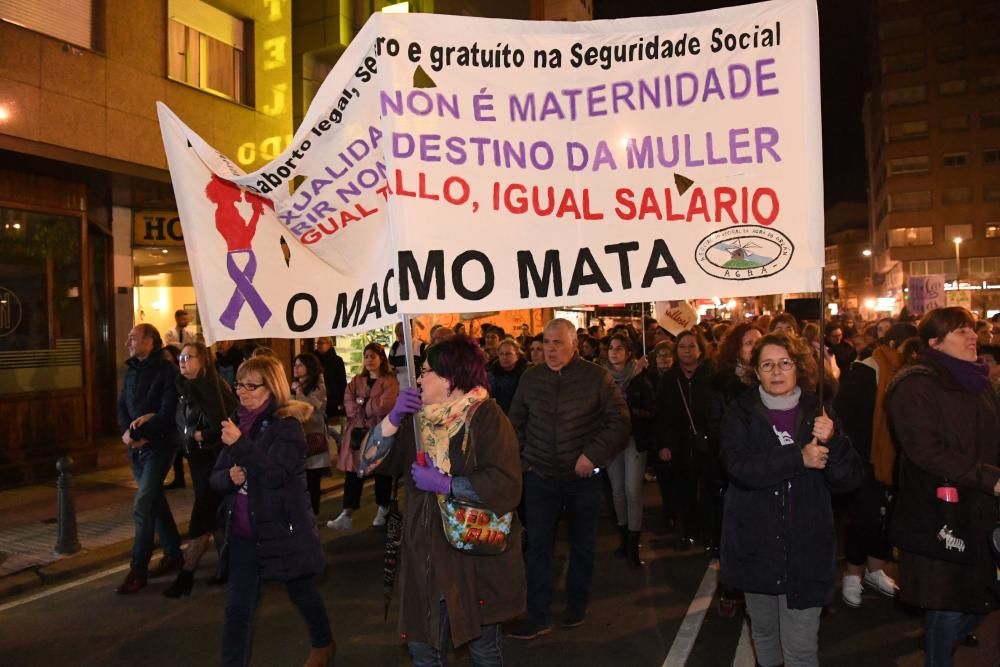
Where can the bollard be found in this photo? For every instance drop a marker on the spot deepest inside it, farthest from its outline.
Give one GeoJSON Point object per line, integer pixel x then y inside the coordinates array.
{"type": "Point", "coordinates": [66, 541]}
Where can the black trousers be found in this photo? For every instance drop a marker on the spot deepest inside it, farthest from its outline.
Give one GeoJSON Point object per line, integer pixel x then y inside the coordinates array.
{"type": "Point", "coordinates": [353, 485]}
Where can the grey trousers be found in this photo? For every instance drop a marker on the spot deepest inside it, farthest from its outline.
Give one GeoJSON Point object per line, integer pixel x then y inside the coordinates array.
{"type": "Point", "coordinates": [782, 635]}
{"type": "Point", "coordinates": [625, 474]}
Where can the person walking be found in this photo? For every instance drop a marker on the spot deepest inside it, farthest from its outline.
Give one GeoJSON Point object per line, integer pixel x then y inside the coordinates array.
{"type": "Point", "coordinates": [505, 372]}
{"type": "Point", "coordinates": [945, 418]}
{"type": "Point", "coordinates": [367, 400]}
{"type": "Point", "coordinates": [334, 376]}
{"type": "Point", "coordinates": [861, 402]}
{"type": "Point", "coordinates": [270, 528]}
{"type": "Point", "coordinates": [204, 400]}
{"type": "Point", "coordinates": [570, 420]}
{"type": "Point", "coordinates": [308, 386]}
{"type": "Point", "coordinates": [784, 463]}
{"type": "Point", "coordinates": [147, 409]}
{"type": "Point", "coordinates": [626, 469]}
{"type": "Point", "coordinates": [471, 454]}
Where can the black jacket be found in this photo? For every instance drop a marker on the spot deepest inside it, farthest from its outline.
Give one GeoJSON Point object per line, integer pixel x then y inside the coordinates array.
{"type": "Point", "coordinates": [559, 415]}
{"type": "Point", "coordinates": [149, 388]}
{"type": "Point", "coordinates": [335, 378]}
{"type": "Point", "coordinates": [274, 457]}
{"type": "Point", "coordinates": [777, 528]}
{"type": "Point", "coordinates": [673, 426]}
{"type": "Point", "coordinates": [201, 406]}
{"type": "Point", "coordinates": [503, 383]}
{"type": "Point", "coordinates": [641, 400]}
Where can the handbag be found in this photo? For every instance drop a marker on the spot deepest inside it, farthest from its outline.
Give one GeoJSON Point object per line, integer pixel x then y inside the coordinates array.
{"type": "Point", "coordinates": [924, 525]}
{"type": "Point", "coordinates": [471, 527]}
{"type": "Point", "coordinates": [316, 443]}
{"type": "Point", "coordinates": [698, 441]}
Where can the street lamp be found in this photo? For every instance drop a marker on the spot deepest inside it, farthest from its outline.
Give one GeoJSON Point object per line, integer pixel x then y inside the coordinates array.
{"type": "Point", "coordinates": [958, 262]}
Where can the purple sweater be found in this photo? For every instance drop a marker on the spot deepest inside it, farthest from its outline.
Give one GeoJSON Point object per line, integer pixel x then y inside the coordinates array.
{"type": "Point", "coordinates": [783, 423]}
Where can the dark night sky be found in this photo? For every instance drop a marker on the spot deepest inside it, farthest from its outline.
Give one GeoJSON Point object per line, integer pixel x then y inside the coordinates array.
{"type": "Point", "coordinates": [843, 74]}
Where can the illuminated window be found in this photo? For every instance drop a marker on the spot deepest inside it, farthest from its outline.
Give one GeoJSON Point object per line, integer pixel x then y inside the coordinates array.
{"type": "Point", "coordinates": [206, 49]}
{"type": "Point", "coordinates": [992, 230]}
{"type": "Point", "coordinates": [911, 236]}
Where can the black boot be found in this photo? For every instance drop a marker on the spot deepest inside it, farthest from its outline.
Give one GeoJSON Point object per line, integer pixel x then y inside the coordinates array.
{"type": "Point", "coordinates": [622, 550]}
{"type": "Point", "coordinates": [181, 586]}
{"type": "Point", "coordinates": [633, 549]}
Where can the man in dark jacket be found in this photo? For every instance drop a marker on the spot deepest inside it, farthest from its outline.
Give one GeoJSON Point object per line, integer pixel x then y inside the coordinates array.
{"type": "Point", "coordinates": [571, 420]}
{"type": "Point", "coordinates": [146, 412]}
{"type": "Point", "coordinates": [334, 375]}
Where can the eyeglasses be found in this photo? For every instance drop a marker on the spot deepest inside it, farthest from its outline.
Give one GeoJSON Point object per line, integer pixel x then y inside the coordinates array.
{"type": "Point", "coordinates": [785, 365]}
{"type": "Point", "coordinates": [184, 358]}
{"type": "Point", "coordinates": [247, 386]}
{"type": "Point", "coordinates": [424, 370]}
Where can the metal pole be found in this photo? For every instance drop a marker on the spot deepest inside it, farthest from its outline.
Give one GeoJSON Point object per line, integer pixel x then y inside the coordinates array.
{"type": "Point", "coordinates": [822, 337]}
{"type": "Point", "coordinates": [66, 541]}
{"type": "Point", "coordinates": [642, 325]}
{"type": "Point", "coordinates": [411, 378]}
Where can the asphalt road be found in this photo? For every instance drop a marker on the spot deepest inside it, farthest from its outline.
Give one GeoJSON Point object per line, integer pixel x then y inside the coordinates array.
{"type": "Point", "coordinates": [633, 620]}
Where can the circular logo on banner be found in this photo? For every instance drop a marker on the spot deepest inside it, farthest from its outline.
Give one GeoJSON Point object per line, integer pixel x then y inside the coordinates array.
{"type": "Point", "coordinates": [744, 253]}
{"type": "Point", "coordinates": [10, 311]}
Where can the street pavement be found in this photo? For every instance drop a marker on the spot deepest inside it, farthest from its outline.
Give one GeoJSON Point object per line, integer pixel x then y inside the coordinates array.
{"type": "Point", "coordinates": [662, 614]}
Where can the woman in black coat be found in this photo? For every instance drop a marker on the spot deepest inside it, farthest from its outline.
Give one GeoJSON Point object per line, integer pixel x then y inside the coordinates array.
{"type": "Point", "coordinates": [687, 454]}
{"type": "Point", "coordinates": [203, 401]}
{"type": "Point", "coordinates": [271, 531]}
{"type": "Point", "coordinates": [784, 463]}
{"type": "Point", "coordinates": [504, 372]}
{"type": "Point", "coordinates": [945, 419]}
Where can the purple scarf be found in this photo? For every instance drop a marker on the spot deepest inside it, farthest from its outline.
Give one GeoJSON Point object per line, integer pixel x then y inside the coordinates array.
{"type": "Point", "coordinates": [248, 418]}
{"type": "Point", "coordinates": [972, 376]}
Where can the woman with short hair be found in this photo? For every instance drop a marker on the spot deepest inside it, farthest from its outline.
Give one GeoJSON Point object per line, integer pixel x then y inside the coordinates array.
{"type": "Point", "coordinates": [945, 419]}
{"type": "Point", "coordinates": [504, 372]}
{"type": "Point", "coordinates": [271, 531]}
{"type": "Point", "coordinates": [784, 462]}
{"type": "Point", "coordinates": [470, 452]}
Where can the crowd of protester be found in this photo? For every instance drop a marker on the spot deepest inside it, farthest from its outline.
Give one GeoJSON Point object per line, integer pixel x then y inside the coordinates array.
{"type": "Point", "coordinates": [762, 436]}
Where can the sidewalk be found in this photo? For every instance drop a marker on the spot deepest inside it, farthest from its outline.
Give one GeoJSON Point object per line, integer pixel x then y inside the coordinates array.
{"type": "Point", "coordinates": [103, 500]}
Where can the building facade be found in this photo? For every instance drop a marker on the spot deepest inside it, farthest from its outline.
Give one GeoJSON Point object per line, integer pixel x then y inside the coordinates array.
{"type": "Point", "coordinates": [932, 133]}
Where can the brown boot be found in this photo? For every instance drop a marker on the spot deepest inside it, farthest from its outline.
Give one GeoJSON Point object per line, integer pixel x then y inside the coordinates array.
{"type": "Point", "coordinates": [132, 584]}
{"type": "Point", "coordinates": [168, 565]}
{"type": "Point", "coordinates": [322, 657]}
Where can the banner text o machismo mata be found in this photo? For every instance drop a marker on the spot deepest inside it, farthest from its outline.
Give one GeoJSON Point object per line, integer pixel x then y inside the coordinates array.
{"type": "Point", "coordinates": [535, 164]}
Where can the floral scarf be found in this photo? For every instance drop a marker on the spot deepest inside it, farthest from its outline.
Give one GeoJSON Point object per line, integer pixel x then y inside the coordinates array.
{"type": "Point", "coordinates": [441, 421]}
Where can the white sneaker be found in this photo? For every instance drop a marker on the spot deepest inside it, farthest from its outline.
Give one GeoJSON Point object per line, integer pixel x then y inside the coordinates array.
{"type": "Point", "coordinates": [379, 519]}
{"type": "Point", "coordinates": [342, 522]}
{"type": "Point", "coordinates": [850, 590]}
{"type": "Point", "coordinates": [881, 582]}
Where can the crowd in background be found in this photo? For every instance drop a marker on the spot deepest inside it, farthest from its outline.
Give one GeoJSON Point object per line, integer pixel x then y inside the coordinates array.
{"type": "Point", "coordinates": [708, 413]}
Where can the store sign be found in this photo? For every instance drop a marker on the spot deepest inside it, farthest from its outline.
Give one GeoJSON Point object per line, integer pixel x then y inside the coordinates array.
{"type": "Point", "coordinates": [648, 159]}
{"type": "Point", "coordinates": [925, 293]}
{"type": "Point", "coordinates": [156, 228]}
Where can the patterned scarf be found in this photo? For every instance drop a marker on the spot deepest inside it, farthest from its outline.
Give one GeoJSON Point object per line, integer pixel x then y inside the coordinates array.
{"type": "Point", "coordinates": [441, 421]}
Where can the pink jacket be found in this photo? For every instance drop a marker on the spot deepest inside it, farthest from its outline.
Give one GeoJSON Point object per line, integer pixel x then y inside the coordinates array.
{"type": "Point", "coordinates": [380, 401]}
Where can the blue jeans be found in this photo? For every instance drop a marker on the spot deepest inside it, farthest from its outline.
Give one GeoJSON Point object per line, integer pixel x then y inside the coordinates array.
{"type": "Point", "coordinates": [150, 508]}
{"type": "Point", "coordinates": [941, 630]}
{"type": "Point", "coordinates": [544, 500]}
{"type": "Point", "coordinates": [242, 594]}
{"type": "Point", "coordinates": [486, 650]}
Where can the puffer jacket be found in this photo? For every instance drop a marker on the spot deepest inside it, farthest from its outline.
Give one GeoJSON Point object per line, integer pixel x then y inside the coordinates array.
{"type": "Point", "coordinates": [559, 415]}
{"type": "Point", "coordinates": [274, 455]}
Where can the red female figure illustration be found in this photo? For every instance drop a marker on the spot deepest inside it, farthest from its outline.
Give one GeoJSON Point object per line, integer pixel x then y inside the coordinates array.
{"type": "Point", "coordinates": [239, 239]}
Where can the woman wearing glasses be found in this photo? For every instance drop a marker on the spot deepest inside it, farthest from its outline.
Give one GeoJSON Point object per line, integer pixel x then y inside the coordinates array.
{"type": "Point", "coordinates": [271, 532]}
{"type": "Point", "coordinates": [203, 402]}
{"type": "Point", "coordinates": [784, 460]}
{"type": "Point", "coordinates": [470, 453]}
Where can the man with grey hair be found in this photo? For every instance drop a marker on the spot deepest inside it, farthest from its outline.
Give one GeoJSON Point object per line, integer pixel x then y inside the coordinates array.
{"type": "Point", "coordinates": [571, 419]}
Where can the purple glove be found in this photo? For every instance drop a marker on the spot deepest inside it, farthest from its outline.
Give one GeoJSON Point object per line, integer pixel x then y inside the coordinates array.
{"type": "Point", "coordinates": [407, 403]}
{"type": "Point", "coordinates": [429, 478]}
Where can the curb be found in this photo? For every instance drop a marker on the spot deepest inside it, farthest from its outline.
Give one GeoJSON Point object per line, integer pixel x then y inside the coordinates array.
{"type": "Point", "coordinates": [87, 561]}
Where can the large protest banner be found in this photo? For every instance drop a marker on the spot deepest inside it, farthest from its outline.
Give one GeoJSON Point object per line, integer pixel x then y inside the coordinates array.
{"type": "Point", "coordinates": [453, 164]}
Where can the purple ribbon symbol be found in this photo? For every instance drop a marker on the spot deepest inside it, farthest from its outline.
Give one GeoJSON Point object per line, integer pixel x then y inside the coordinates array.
{"type": "Point", "coordinates": [244, 292]}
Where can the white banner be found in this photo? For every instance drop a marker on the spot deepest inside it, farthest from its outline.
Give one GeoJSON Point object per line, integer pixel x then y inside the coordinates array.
{"type": "Point", "coordinates": [452, 164]}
